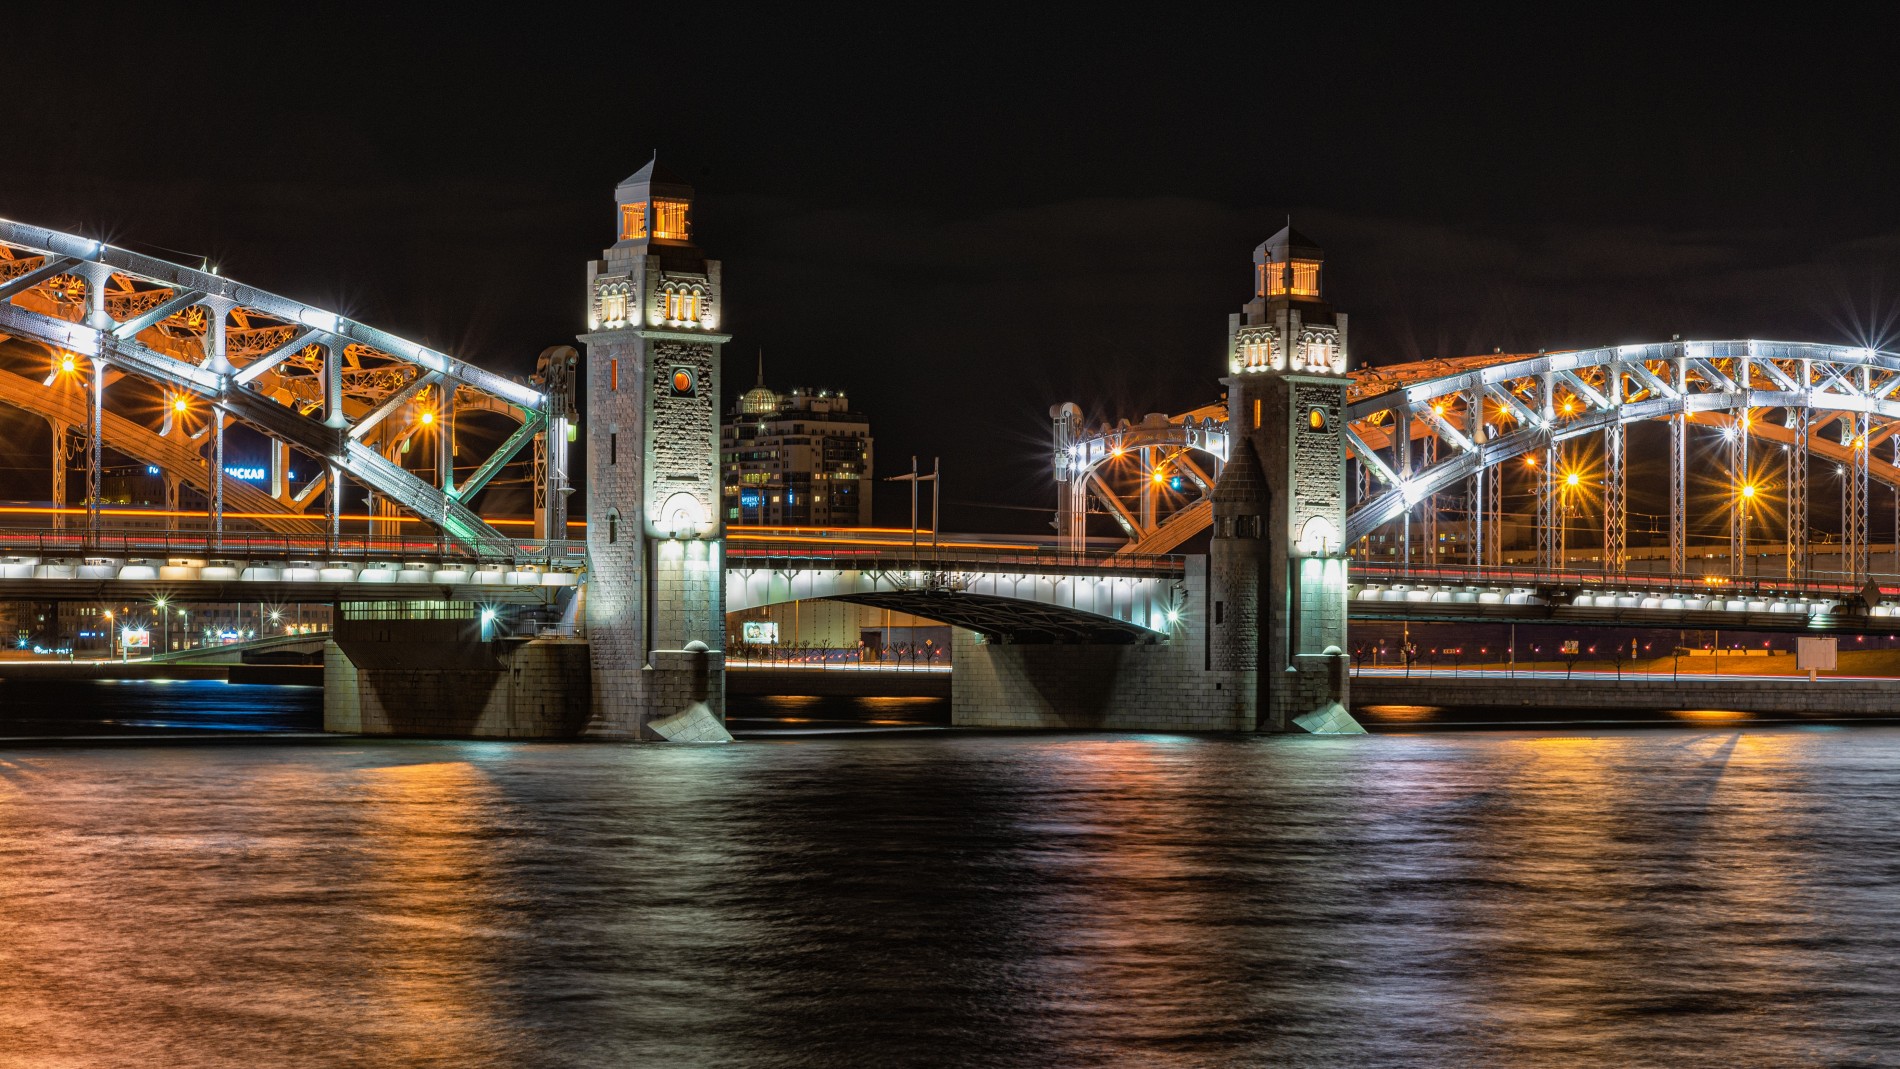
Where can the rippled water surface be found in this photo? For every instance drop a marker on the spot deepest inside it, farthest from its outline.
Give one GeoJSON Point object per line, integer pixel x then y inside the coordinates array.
{"type": "Point", "coordinates": [1663, 897]}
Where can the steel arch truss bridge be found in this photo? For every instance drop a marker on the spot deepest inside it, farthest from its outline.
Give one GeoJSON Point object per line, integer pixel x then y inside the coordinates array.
{"type": "Point", "coordinates": [1506, 458]}
{"type": "Point", "coordinates": [154, 361]}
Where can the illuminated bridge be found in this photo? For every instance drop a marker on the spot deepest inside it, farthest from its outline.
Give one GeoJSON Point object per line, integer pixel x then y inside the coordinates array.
{"type": "Point", "coordinates": [1577, 487]}
{"type": "Point", "coordinates": [145, 369]}
{"type": "Point", "coordinates": [1508, 480]}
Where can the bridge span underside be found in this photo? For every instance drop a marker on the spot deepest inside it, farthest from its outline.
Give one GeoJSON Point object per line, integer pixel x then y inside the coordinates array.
{"type": "Point", "coordinates": [1006, 619]}
{"type": "Point", "coordinates": [1009, 596]}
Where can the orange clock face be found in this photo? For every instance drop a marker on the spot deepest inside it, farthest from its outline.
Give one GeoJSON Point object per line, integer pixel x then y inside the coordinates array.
{"type": "Point", "coordinates": [683, 382]}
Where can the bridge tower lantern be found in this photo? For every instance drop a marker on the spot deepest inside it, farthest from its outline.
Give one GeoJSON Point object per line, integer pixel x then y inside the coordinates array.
{"type": "Point", "coordinates": [655, 610]}
{"type": "Point", "coordinates": [1286, 581]}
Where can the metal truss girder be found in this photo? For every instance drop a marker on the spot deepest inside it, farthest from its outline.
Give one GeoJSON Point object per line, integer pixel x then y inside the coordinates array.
{"type": "Point", "coordinates": [1650, 379]}
{"type": "Point", "coordinates": [1524, 413]}
{"type": "Point", "coordinates": [180, 277]}
{"type": "Point", "coordinates": [364, 424]}
{"type": "Point", "coordinates": [179, 458]}
{"type": "Point", "coordinates": [1713, 375]}
{"type": "Point", "coordinates": [1773, 371]}
{"type": "Point", "coordinates": [1370, 458]}
{"type": "Point", "coordinates": [138, 324]}
{"type": "Point", "coordinates": [1797, 519]}
{"type": "Point", "coordinates": [1130, 525]}
{"type": "Point", "coordinates": [497, 459]}
{"type": "Point", "coordinates": [1445, 429]}
{"type": "Point", "coordinates": [1615, 499]}
{"type": "Point", "coordinates": [1583, 389]}
{"type": "Point", "coordinates": [424, 500]}
{"type": "Point", "coordinates": [298, 342]}
{"type": "Point", "coordinates": [50, 267]}
{"type": "Point", "coordinates": [275, 419]}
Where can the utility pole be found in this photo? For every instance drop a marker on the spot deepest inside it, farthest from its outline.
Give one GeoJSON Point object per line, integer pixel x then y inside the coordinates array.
{"type": "Point", "coordinates": [913, 479]}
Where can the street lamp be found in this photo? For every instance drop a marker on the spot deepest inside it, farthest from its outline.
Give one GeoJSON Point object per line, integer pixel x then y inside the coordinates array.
{"type": "Point", "coordinates": [1744, 495]}
{"type": "Point", "coordinates": [166, 630]}
{"type": "Point", "coordinates": [1572, 480]}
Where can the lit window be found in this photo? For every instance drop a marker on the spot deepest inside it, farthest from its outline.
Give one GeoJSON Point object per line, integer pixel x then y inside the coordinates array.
{"type": "Point", "coordinates": [613, 308]}
{"type": "Point", "coordinates": [669, 219]}
{"type": "Point", "coordinates": [633, 221]}
{"type": "Point", "coordinates": [1305, 279]}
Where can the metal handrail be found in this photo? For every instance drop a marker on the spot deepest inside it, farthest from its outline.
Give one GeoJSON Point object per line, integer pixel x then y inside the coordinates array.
{"type": "Point", "coordinates": [255, 546]}
{"type": "Point", "coordinates": [1712, 585]}
{"type": "Point", "coordinates": [821, 552]}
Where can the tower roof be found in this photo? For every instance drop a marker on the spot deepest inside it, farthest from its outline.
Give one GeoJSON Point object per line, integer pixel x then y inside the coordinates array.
{"type": "Point", "coordinates": [1288, 244]}
{"type": "Point", "coordinates": [1242, 488]}
{"type": "Point", "coordinates": [657, 179]}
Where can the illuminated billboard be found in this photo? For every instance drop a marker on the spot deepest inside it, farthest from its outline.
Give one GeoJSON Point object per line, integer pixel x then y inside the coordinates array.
{"type": "Point", "coordinates": [759, 632]}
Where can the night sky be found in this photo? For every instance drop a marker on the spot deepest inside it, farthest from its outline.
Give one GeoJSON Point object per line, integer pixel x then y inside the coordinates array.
{"type": "Point", "coordinates": [967, 215]}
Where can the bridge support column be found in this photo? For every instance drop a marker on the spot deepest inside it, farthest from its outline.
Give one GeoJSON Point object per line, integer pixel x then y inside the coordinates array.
{"type": "Point", "coordinates": [62, 463]}
{"type": "Point", "coordinates": [655, 610]}
{"type": "Point", "coordinates": [1072, 491]}
{"type": "Point", "coordinates": [450, 678]}
{"type": "Point", "coordinates": [1181, 684]}
{"type": "Point", "coordinates": [1278, 570]}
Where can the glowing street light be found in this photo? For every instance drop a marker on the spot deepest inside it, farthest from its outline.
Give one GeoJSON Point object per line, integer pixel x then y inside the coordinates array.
{"type": "Point", "coordinates": [179, 404]}
{"type": "Point", "coordinates": [428, 417]}
{"type": "Point", "coordinates": [67, 364]}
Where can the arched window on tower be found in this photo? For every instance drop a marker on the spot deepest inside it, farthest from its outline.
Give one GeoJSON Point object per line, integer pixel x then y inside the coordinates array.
{"type": "Point", "coordinates": [613, 526]}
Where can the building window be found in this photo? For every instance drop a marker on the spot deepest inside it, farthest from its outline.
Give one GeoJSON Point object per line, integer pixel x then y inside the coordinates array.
{"type": "Point", "coordinates": [613, 308]}
{"type": "Point", "coordinates": [682, 306]}
{"type": "Point", "coordinates": [633, 221]}
{"type": "Point", "coordinates": [1305, 279]}
{"type": "Point", "coordinates": [669, 219]}
{"type": "Point", "coordinates": [613, 447]}
{"type": "Point", "coordinates": [613, 526]}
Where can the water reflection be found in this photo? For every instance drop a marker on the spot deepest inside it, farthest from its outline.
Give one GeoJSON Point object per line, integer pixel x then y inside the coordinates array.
{"type": "Point", "coordinates": [1665, 897]}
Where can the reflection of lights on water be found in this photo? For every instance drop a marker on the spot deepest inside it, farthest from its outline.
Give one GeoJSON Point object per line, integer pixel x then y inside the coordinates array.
{"type": "Point", "coordinates": [1717, 715]}
{"type": "Point", "coordinates": [1403, 712]}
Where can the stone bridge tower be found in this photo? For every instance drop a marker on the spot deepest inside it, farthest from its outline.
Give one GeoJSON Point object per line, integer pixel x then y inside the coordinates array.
{"type": "Point", "coordinates": [655, 618]}
{"type": "Point", "coordinates": [1278, 560]}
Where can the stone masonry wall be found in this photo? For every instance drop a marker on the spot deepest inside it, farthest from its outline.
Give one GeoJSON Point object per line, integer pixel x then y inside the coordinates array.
{"type": "Point", "coordinates": [1165, 686]}
{"type": "Point", "coordinates": [1828, 699]}
{"type": "Point", "coordinates": [537, 689]}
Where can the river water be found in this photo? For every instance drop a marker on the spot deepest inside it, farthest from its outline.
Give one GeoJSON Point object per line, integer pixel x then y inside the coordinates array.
{"type": "Point", "coordinates": [1654, 897]}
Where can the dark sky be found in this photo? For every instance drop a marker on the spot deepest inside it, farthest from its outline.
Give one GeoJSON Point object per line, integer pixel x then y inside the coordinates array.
{"type": "Point", "coordinates": [966, 214]}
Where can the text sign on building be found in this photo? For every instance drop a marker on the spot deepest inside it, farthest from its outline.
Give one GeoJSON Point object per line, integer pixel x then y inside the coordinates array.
{"type": "Point", "coordinates": [1815, 654]}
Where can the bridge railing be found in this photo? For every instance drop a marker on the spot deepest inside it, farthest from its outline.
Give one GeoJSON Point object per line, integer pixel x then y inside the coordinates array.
{"type": "Point", "coordinates": [200, 545]}
{"type": "Point", "coordinates": [1530, 576]}
{"type": "Point", "coordinates": [868, 554]}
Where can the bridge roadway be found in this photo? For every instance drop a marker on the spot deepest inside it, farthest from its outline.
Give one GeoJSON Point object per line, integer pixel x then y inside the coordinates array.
{"type": "Point", "coordinates": [985, 579]}
{"type": "Point", "coordinates": [69, 565]}
{"type": "Point", "coordinates": [1453, 594]}
{"type": "Point", "coordinates": [1025, 588]}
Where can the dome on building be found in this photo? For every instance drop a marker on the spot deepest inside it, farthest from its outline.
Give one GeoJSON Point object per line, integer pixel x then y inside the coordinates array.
{"type": "Point", "coordinates": [758, 401]}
